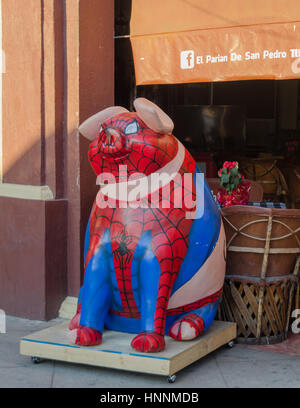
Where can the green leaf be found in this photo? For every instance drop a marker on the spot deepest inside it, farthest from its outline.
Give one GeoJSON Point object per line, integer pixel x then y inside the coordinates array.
{"type": "Point", "coordinates": [236, 182]}
{"type": "Point", "coordinates": [225, 178]}
{"type": "Point", "coordinates": [234, 171]}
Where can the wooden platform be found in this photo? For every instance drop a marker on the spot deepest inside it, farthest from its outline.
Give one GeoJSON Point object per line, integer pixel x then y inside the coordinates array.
{"type": "Point", "coordinates": [116, 352]}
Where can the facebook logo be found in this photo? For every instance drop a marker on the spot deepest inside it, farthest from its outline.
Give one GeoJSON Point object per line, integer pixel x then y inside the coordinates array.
{"type": "Point", "coordinates": [2, 322]}
{"type": "Point", "coordinates": [187, 59]}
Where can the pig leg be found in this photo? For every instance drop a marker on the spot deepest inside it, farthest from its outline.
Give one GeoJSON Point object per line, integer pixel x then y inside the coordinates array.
{"type": "Point", "coordinates": [93, 237]}
{"type": "Point", "coordinates": [157, 284]}
{"type": "Point", "coordinates": [96, 295]}
{"type": "Point", "coordinates": [147, 340]}
{"type": "Point", "coordinates": [194, 323]}
{"type": "Point", "coordinates": [169, 242]}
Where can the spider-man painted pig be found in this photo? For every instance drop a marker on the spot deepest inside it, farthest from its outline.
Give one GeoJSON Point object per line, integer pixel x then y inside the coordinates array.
{"type": "Point", "coordinates": [151, 269]}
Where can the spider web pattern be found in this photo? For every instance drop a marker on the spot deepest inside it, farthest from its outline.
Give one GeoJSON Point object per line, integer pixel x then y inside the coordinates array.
{"type": "Point", "coordinates": [169, 242]}
{"type": "Point", "coordinates": [195, 322]}
{"type": "Point", "coordinates": [146, 152]}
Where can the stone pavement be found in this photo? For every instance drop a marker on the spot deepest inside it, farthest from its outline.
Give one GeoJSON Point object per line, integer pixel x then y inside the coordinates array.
{"type": "Point", "coordinates": [240, 367]}
{"type": "Point", "coordinates": [289, 347]}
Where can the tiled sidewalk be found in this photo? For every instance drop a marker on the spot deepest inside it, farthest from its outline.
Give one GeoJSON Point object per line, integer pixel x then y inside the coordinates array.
{"type": "Point", "coordinates": [289, 347]}
{"type": "Point", "coordinates": [240, 367]}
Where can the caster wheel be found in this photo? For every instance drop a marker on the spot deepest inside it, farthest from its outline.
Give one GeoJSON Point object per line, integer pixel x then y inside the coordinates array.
{"type": "Point", "coordinates": [172, 379]}
{"type": "Point", "coordinates": [36, 360]}
{"type": "Point", "coordinates": [230, 344]}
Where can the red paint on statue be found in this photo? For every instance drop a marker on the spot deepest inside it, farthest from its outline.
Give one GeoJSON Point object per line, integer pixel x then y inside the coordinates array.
{"type": "Point", "coordinates": [145, 154]}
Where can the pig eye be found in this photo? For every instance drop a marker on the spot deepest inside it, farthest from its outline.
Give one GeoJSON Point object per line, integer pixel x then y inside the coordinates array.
{"type": "Point", "coordinates": [133, 127]}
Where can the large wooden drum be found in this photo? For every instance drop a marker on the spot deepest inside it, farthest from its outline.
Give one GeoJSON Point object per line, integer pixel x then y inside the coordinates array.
{"type": "Point", "coordinates": [262, 276]}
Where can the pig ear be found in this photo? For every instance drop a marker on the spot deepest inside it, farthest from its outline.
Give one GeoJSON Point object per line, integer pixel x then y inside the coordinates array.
{"type": "Point", "coordinates": [153, 116]}
{"type": "Point", "coordinates": [90, 128]}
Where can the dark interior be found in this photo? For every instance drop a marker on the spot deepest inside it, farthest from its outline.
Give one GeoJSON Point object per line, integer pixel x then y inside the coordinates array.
{"type": "Point", "coordinates": [225, 119]}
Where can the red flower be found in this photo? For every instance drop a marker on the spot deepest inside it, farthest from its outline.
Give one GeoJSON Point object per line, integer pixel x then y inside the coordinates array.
{"type": "Point", "coordinates": [230, 177]}
{"type": "Point", "coordinates": [230, 165]}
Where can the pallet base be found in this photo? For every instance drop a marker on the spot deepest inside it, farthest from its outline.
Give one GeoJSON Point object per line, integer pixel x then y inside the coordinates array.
{"type": "Point", "coordinates": [116, 352]}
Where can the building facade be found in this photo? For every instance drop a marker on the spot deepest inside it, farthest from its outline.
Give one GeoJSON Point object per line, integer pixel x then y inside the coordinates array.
{"type": "Point", "coordinates": [59, 70]}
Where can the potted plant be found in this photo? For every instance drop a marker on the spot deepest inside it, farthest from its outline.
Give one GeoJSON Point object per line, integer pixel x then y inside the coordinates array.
{"type": "Point", "coordinates": [234, 189]}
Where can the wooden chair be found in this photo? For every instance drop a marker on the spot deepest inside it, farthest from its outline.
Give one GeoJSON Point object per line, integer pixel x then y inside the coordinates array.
{"type": "Point", "coordinates": [294, 185]}
{"type": "Point", "coordinates": [256, 192]}
{"type": "Point", "coordinates": [262, 272]}
{"type": "Point", "coordinates": [266, 172]}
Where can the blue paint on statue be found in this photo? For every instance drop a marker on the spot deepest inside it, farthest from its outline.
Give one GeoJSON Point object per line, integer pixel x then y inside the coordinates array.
{"type": "Point", "coordinates": [101, 293]}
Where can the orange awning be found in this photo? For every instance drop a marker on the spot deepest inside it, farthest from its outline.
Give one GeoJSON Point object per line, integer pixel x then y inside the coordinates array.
{"type": "Point", "coordinates": [182, 41]}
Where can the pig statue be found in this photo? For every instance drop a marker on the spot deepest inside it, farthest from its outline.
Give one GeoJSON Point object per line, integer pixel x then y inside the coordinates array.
{"type": "Point", "coordinates": [154, 264]}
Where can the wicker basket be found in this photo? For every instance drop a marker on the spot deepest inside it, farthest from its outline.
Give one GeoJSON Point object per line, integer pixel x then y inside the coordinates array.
{"type": "Point", "coordinates": [240, 303]}
{"type": "Point", "coordinates": [261, 285]}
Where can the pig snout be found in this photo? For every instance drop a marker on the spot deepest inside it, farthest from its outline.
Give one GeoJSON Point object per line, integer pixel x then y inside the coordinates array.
{"type": "Point", "coordinates": [112, 142]}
